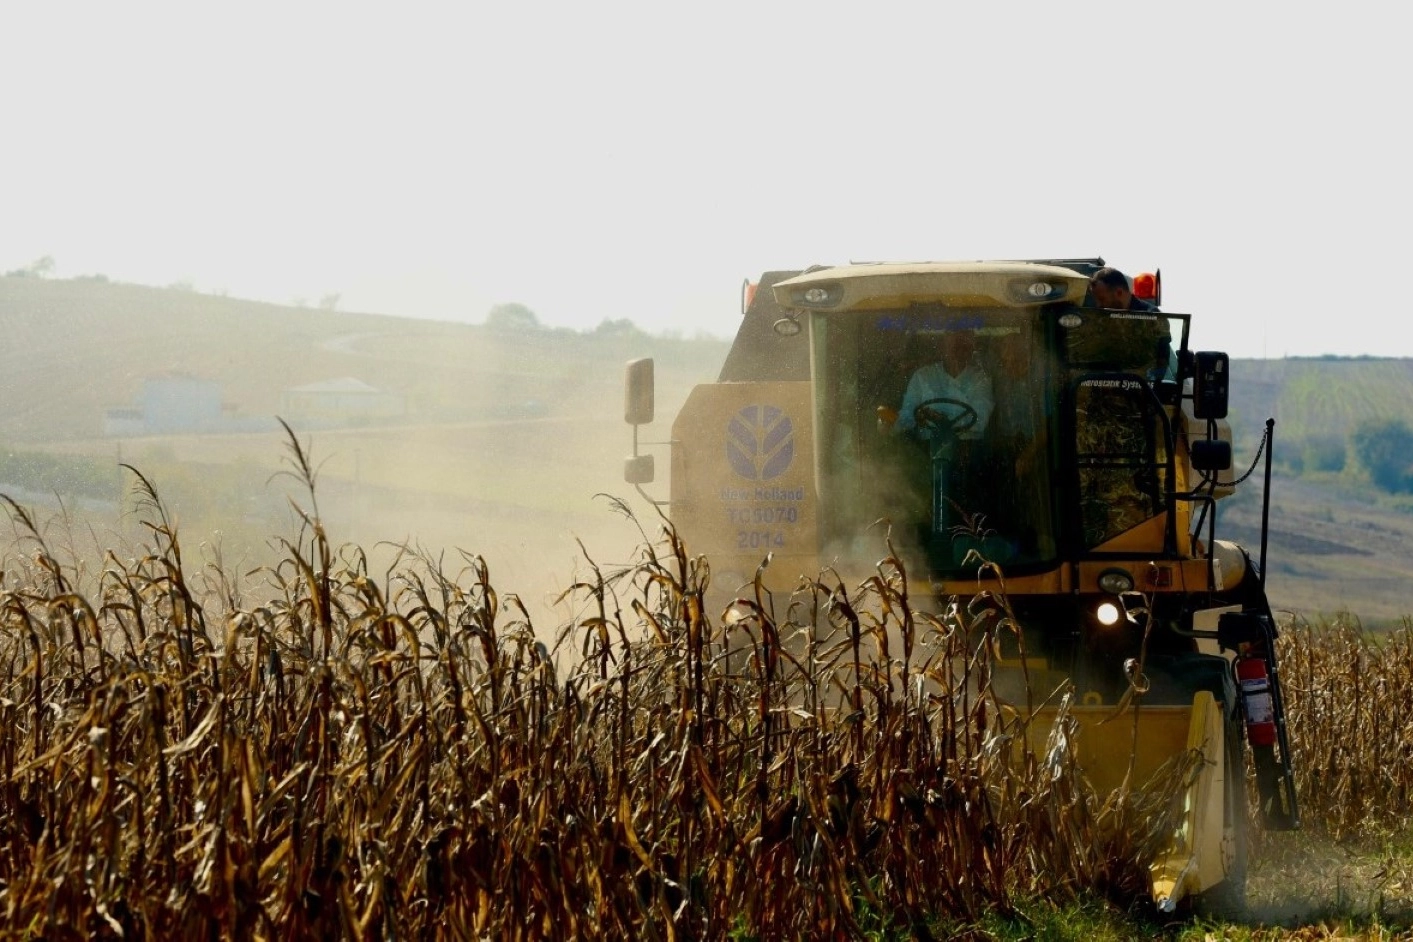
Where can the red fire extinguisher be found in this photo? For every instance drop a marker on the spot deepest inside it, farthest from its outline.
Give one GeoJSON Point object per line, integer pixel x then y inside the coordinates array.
{"type": "Point", "coordinates": [1256, 697]}
{"type": "Point", "coordinates": [1251, 636]}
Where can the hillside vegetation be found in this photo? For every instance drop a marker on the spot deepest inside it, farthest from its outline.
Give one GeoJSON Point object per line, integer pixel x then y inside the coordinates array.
{"type": "Point", "coordinates": [1338, 543]}
{"type": "Point", "coordinates": [1322, 396]}
{"type": "Point", "coordinates": [75, 349]}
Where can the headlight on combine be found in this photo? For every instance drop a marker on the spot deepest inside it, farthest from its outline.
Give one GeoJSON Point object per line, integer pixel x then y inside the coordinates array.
{"type": "Point", "coordinates": [787, 326]}
{"type": "Point", "coordinates": [1116, 581]}
{"type": "Point", "coordinates": [1107, 613]}
{"type": "Point", "coordinates": [825, 295]}
{"type": "Point", "coordinates": [1029, 292]}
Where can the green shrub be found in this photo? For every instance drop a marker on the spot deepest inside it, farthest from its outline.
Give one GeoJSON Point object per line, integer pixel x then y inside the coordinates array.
{"type": "Point", "coordinates": [1324, 453]}
{"type": "Point", "coordinates": [1385, 449]}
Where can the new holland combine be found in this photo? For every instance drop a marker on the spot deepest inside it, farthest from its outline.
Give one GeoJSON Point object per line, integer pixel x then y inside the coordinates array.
{"type": "Point", "coordinates": [1079, 449]}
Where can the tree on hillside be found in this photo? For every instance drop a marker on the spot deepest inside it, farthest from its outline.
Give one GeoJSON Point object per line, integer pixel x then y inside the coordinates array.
{"type": "Point", "coordinates": [512, 316]}
{"type": "Point", "coordinates": [622, 327]}
{"type": "Point", "coordinates": [41, 267]}
{"type": "Point", "coordinates": [1385, 448]}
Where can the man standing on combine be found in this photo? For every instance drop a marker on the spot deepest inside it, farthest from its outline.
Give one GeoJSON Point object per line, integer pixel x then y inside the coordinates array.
{"type": "Point", "coordinates": [1110, 289]}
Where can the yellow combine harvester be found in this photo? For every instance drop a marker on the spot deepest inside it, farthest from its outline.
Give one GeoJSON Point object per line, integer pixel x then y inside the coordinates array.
{"type": "Point", "coordinates": [993, 411]}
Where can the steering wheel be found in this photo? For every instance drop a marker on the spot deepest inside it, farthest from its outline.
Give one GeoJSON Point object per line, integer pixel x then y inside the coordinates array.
{"type": "Point", "coordinates": [931, 419]}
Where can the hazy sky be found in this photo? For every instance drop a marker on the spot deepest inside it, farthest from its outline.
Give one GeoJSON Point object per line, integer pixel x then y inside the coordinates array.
{"type": "Point", "coordinates": [639, 159]}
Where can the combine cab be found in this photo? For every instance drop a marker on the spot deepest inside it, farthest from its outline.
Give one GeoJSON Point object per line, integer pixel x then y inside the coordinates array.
{"type": "Point", "coordinates": [1079, 449]}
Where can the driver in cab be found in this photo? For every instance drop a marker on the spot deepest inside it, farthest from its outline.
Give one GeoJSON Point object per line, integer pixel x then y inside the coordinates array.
{"type": "Point", "coordinates": [950, 398]}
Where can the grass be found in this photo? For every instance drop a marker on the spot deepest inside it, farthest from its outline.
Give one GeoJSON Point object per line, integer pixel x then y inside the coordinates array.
{"type": "Point", "coordinates": [1365, 879]}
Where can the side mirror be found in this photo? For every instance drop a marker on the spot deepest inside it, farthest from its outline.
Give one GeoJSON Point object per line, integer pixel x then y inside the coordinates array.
{"type": "Point", "coordinates": [638, 469]}
{"type": "Point", "coordinates": [1237, 628]}
{"type": "Point", "coordinates": [638, 395]}
{"type": "Point", "coordinates": [1210, 385]}
{"type": "Point", "coordinates": [1211, 454]}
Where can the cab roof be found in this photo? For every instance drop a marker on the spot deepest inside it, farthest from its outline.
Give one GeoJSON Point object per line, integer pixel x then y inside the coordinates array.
{"type": "Point", "coordinates": [876, 285]}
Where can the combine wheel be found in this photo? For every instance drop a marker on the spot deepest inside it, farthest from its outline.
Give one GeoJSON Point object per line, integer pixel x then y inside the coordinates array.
{"type": "Point", "coordinates": [1227, 900]}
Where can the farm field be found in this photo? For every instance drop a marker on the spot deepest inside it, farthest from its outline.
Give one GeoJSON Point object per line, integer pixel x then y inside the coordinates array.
{"type": "Point", "coordinates": [508, 435]}
{"type": "Point", "coordinates": [361, 754]}
{"type": "Point", "coordinates": [326, 673]}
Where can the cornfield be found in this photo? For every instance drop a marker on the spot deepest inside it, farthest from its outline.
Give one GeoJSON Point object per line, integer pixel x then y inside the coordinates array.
{"type": "Point", "coordinates": [1347, 693]}
{"type": "Point", "coordinates": [395, 754]}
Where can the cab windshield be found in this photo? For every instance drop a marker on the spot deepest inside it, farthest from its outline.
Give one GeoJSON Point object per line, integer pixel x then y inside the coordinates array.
{"type": "Point", "coordinates": [934, 421]}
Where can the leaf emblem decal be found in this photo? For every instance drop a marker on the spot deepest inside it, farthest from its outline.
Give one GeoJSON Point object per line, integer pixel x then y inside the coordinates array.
{"type": "Point", "coordinates": [760, 442]}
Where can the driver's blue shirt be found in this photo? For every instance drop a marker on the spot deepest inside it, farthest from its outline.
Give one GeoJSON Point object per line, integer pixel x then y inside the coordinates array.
{"type": "Point", "coordinates": [971, 386]}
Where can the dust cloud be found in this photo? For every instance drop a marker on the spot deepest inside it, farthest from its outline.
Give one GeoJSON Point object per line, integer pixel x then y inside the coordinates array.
{"type": "Point", "coordinates": [450, 440]}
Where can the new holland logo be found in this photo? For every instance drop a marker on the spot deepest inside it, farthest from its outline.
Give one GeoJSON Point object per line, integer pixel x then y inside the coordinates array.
{"type": "Point", "coordinates": [760, 442]}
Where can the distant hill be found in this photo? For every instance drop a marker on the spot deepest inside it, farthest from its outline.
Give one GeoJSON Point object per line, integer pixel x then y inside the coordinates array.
{"type": "Point", "coordinates": [75, 349]}
{"type": "Point", "coordinates": [453, 436]}
{"type": "Point", "coordinates": [496, 441]}
{"type": "Point", "coordinates": [1322, 396]}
